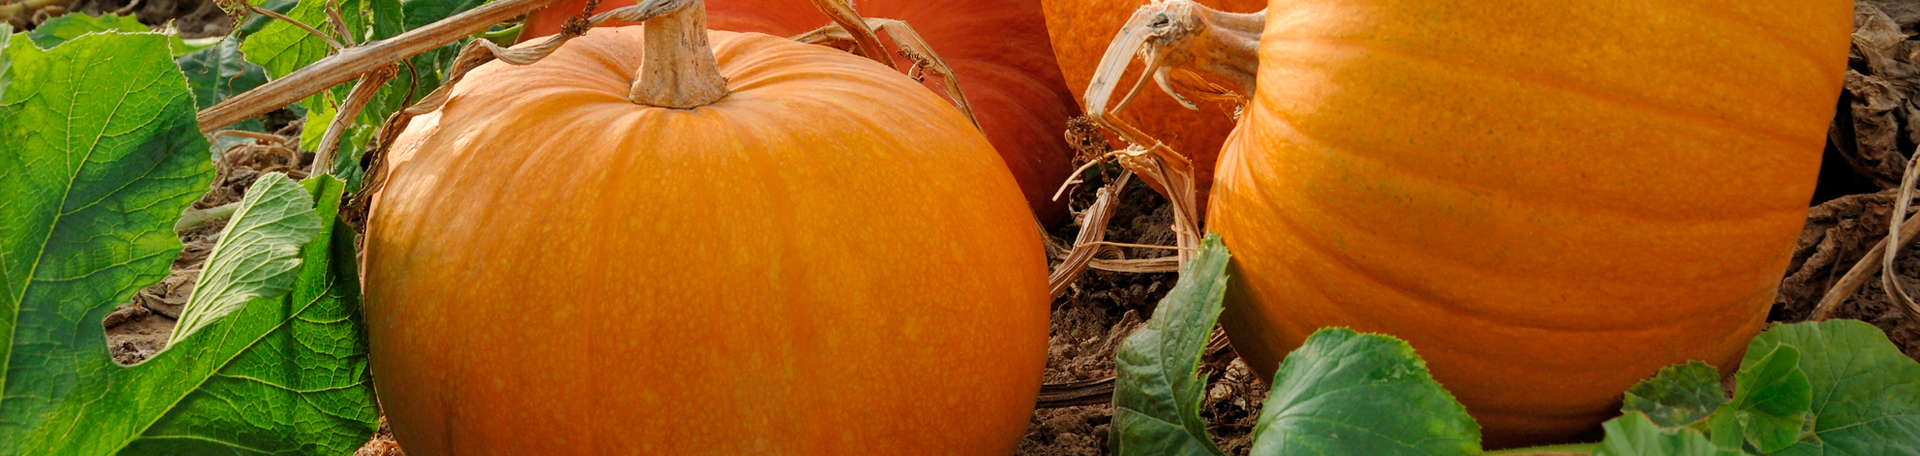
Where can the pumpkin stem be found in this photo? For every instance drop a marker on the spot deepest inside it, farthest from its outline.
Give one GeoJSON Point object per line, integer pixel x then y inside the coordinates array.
{"type": "Point", "coordinates": [1180, 35]}
{"type": "Point", "coordinates": [679, 70]}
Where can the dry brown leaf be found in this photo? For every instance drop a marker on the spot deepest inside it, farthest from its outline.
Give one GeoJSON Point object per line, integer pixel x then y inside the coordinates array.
{"type": "Point", "coordinates": [1876, 127]}
{"type": "Point", "coordinates": [1906, 13]}
{"type": "Point", "coordinates": [1837, 235]}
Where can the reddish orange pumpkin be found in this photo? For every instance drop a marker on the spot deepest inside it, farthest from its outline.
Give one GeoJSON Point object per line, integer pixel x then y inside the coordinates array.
{"type": "Point", "coordinates": [829, 260]}
{"type": "Point", "coordinates": [997, 48]}
{"type": "Point", "coordinates": [1549, 200]}
{"type": "Point", "coordinates": [1081, 30]}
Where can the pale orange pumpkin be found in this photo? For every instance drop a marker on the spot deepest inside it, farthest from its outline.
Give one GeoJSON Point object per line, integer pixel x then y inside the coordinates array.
{"type": "Point", "coordinates": [827, 260]}
{"type": "Point", "coordinates": [1548, 200]}
{"type": "Point", "coordinates": [998, 49]}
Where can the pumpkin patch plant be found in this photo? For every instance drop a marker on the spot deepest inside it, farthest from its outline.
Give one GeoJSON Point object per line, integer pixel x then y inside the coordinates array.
{"type": "Point", "coordinates": [1516, 189]}
{"type": "Point", "coordinates": [997, 49]}
{"type": "Point", "coordinates": [1457, 228]}
{"type": "Point", "coordinates": [577, 257]}
{"type": "Point", "coordinates": [1828, 387]}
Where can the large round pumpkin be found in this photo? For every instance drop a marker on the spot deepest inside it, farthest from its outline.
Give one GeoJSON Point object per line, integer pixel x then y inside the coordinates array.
{"type": "Point", "coordinates": [1549, 200]}
{"type": "Point", "coordinates": [1082, 29]}
{"type": "Point", "coordinates": [997, 48]}
{"type": "Point", "coordinates": [829, 260]}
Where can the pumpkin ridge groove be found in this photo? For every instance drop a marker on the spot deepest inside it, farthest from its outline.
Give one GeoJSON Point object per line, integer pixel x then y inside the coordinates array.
{"type": "Point", "coordinates": [1514, 320]}
{"type": "Point", "coordinates": [1768, 134]}
{"type": "Point", "coordinates": [1536, 199]}
{"type": "Point", "coordinates": [1769, 32]}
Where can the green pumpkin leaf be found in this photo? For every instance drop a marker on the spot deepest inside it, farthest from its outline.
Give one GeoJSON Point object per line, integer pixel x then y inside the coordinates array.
{"type": "Point", "coordinates": [67, 27]}
{"type": "Point", "coordinates": [291, 373]}
{"type": "Point", "coordinates": [283, 48]}
{"type": "Point", "coordinates": [256, 256]}
{"type": "Point", "coordinates": [6, 77]}
{"type": "Point", "coordinates": [1156, 401]}
{"type": "Point", "coordinates": [1771, 399]}
{"type": "Point", "coordinates": [1636, 435]}
{"type": "Point", "coordinates": [219, 72]}
{"type": "Point", "coordinates": [102, 155]}
{"type": "Point", "coordinates": [1344, 392]}
{"type": "Point", "coordinates": [1865, 394]}
{"type": "Point", "coordinates": [95, 154]}
{"type": "Point", "coordinates": [1725, 429]}
{"type": "Point", "coordinates": [419, 13]}
{"type": "Point", "coordinates": [1678, 395]}
{"type": "Point", "coordinates": [254, 23]}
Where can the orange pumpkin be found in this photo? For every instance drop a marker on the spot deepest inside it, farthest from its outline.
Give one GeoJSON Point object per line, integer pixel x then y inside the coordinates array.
{"type": "Point", "coordinates": [829, 260]}
{"type": "Point", "coordinates": [998, 50]}
{"type": "Point", "coordinates": [1548, 200]}
{"type": "Point", "coordinates": [1081, 30]}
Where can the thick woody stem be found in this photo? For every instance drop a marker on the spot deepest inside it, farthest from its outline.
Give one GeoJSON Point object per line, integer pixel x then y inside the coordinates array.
{"type": "Point", "coordinates": [679, 70]}
{"type": "Point", "coordinates": [1178, 35]}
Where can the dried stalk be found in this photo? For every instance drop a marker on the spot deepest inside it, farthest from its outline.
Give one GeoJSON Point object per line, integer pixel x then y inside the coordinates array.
{"type": "Point", "coordinates": [1073, 394]}
{"type": "Point", "coordinates": [1880, 258]}
{"type": "Point", "coordinates": [911, 45]}
{"type": "Point", "coordinates": [1137, 246]}
{"type": "Point", "coordinates": [1170, 174]}
{"type": "Point", "coordinates": [1138, 266]}
{"type": "Point", "coordinates": [1183, 36]}
{"type": "Point", "coordinates": [1093, 228]}
{"type": "Point", "coordinates": [357, 99]}
{"type": "Point", "coordinates": [866, 43]}
{"type": "Point", "coordinates": [339, 25]}
{"type": "Point", "coordinates": [1895, 292]}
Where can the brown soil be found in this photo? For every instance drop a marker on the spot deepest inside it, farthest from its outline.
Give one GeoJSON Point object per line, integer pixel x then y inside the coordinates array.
{"type": "Point", "coordinates": [193, 18]}
{"type": "Point", "coordinates": [1874, 134]}
{"type": "Point", "coordinates": [1102, 308]}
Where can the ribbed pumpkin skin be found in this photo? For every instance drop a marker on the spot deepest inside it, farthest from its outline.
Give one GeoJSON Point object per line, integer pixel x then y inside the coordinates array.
{"type": "Point", "coordinates": [1081, 31]}
{"type": "Point", "coordinates": [1549, 200]}
{"type": "Point", "coordinates": [828, 261]}
{"type": "Point", "coordinates": [997, 48]}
